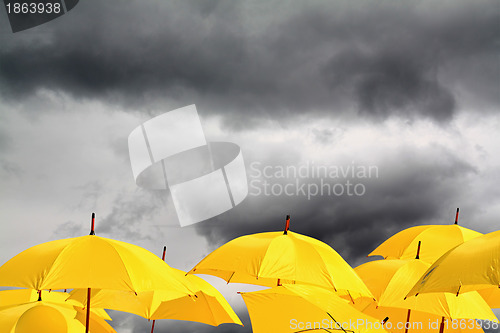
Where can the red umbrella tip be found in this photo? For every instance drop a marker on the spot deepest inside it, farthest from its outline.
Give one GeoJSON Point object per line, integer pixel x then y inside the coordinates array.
{"type": "Point", "coordinates": [92, 232]}
{"type": "Point", "coordinates": [287, 226]}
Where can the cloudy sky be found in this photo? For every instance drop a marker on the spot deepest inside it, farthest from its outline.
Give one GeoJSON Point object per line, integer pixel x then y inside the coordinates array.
{"type": "Point", "coordinates": [408, 88]}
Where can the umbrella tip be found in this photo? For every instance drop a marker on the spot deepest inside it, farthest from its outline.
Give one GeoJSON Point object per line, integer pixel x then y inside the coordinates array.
{"type": "Point", "coordinates": [92, 232]}
{"type": "Point", "coordinates": [287, 226]}
{"type": "Point", "coordinates": [164, 252]}
{"type": "Point", "coordinates": [456, 216]}
{"type": "Point", "coordinates": [458, 291]}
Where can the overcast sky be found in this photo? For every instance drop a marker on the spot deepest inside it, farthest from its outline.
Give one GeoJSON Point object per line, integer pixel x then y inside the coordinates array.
{"type": "Point", "coordinates": [409, 88]}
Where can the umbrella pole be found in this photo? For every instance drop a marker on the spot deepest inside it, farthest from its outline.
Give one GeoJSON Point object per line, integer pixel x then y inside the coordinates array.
{"type": "Point", "coordinates": [456, 217]}
{"type": "Point", "coordinates": [441, 328]}
{"type": "Point", "coordinates": [407, 321]}
{"type": "Point", "coordinates": [87, 322]}
{"type": "Point", "coordinates": [162, 258]}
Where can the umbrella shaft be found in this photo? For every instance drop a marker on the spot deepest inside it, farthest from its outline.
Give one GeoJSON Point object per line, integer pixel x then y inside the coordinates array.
{"type": "Point", "coordinates": [407, 321]}
{"type": "Point", "coordinates": [441, 328]}
{"type": "Point", "coordinates": [87, 322]}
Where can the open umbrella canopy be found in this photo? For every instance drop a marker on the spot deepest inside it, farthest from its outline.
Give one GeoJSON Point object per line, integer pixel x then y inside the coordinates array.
{"type": "Point", "coordinates": [390, 281]}
{"type": "Point", "coordinates": [44, 316]}
{"type": "Point", "coordinates": [397, 321]}
{"type": "Point", "coordinates": [206, 306]}
{"type": "Point", "coordinates": [436, 240]}
{"type": "Point", "coordinates": [301, 308]}
{"type": "Point", "coordinates": [21, 296]}
{"type": "Point", "coordinates": [473, 265]}
{"type": "Point", "coordinates": [91, 262]}
{"type": "Point", "coordinates": [275, 258]}
{"type": "Point", "coordinates": [491, 296]}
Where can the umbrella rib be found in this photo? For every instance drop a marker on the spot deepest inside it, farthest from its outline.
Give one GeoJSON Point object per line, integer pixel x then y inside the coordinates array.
{"type": "Point", "coordinates": [124, 267]}
{"type": "Point", "coordinates": [212, 314]}
{"type": "Point", "coordinates": [326, 268]}
{"type": "Point", "coordinates": [336, 321]}
{"type": "Point", "coordinates": [231, 277]}
{"type": "Point", "coordinates": [263, 258]}
{"type": "Point", "coordinates": [52, 265]}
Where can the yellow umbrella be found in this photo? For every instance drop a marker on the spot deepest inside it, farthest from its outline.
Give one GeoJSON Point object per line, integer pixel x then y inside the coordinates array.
{"type": "Point", "coordinates": [206, 306]}
{"type": "Point", "coordinates": [473, 265]}
{"type": "Point", "coordinates": [21, 296]}
{"type": "Point", "coordinates": [390, 280]}
{"type": "Point", "coordinates": [436, 240]}
{"type": "Point", "coordinates": [301, 308]}
{"type": "Point", "coordinates": [491, 296]}
{"type": "Point", "coordinates": [91, 262]}
{"type": "Point", "coordinates": [396, 321]}
{"type": "Point", "coordinates": [275, 258]}
{"type": "Point", "coordinates": [44, 316]}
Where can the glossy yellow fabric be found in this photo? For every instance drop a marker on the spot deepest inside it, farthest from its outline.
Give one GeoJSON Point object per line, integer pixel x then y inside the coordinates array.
{"type": "Point", "coordinates": [419, 322]}
{"type": "Point", "coordinates": [74, 318]}
{"type": "Point", "coordinates": [436, 240]}
{"type": "Point", "coordinates": [293, 308]}
{"type": "Point", "coordinates": [473, 265]}
{"type": "Point", "coordinates": [390, 281]}
{"type": "Point", "coordinates": [20, 296]}
{"type": "Point", "coordinates": [265, 258]}
{"type": "Point", "coordinates": [207, 306]}
{"type": "Point", "coordinates": [41, 319]}
{"type": "Point", "coordinates": [91, 262]}
{"type": "Point", "coordinates": [491, 296]}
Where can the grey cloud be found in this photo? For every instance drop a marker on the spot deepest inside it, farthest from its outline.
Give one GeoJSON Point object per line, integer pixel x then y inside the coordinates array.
{"type": "Point", "coordinates": [138, 324]}
{"type": "Point", "coordinates": [10, 169]}
{"type": "Point", "coordinates": [412, 188]}
{"type": "Point", "coordinates": [129, 214]}
{"type": "Point", "coordinates": [391, 83]}
{"type": "Point", "coordinates": [70, 229]}
{"type": "Point", "coordinates": [176, 326]}
{"type": "Point", "coordinates": [380, 59]}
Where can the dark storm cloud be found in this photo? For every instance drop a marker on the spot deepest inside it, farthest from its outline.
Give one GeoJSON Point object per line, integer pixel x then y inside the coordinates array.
{"type": "Point", "coordinates": [412, 188]}
{"type": "Point", "coordinates": [264, 60]}
{"type": "Point", "coordinates": [391, 82]}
